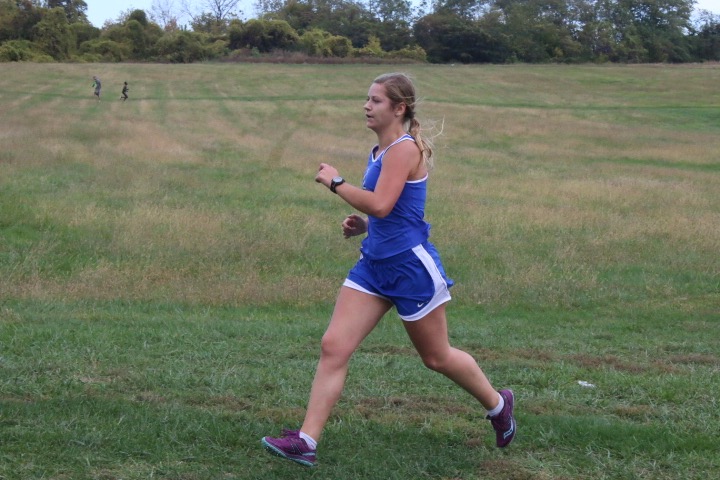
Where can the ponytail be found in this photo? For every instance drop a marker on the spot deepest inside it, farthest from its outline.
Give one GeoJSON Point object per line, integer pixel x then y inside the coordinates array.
{"type": "Point", "coordinates": [425, 144]}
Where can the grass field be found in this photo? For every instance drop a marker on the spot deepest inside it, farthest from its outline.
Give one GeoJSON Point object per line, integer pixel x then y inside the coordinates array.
{"type": "Point", "coordinates": [168, 266]}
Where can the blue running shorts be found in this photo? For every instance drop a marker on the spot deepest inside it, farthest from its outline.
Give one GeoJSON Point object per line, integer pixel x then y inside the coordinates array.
{"type": "Point", "coordinates": [414, 281]}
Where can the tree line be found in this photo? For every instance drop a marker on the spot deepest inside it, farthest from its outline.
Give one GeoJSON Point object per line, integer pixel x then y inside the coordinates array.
{"type": "Point", "coordinates": [444, 31]}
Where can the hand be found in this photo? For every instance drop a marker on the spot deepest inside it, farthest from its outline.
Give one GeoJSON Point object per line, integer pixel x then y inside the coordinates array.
{"type": "Point", "coordinates": [325, 174]}
{"type": "Point", "coordinates": [354, 225]}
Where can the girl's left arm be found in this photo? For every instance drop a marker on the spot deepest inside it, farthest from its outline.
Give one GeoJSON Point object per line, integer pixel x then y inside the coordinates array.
{"type": "Point", "coordinates": [398, 162]}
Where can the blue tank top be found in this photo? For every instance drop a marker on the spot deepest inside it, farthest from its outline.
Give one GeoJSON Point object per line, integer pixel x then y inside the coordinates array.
{"type": "Point", "coordinates": [405, 227]}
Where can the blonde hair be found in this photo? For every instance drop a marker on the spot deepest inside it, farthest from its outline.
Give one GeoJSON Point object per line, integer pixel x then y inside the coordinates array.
{"type": "Point", "coordinates": [400, 89]}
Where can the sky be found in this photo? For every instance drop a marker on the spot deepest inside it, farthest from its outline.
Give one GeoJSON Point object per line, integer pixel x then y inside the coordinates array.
{"type": "Point", "coordinates": [99, 11]}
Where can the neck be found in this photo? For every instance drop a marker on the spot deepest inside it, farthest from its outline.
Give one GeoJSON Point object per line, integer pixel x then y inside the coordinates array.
{"type": "Point", "coordinates": [387, 137]}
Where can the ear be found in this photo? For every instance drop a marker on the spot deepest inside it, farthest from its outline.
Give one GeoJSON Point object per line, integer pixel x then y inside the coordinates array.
{"type": "Point", "coordinates": [400, 109]}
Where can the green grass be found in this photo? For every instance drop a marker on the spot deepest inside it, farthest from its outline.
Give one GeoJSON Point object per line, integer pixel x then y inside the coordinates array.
{"type": "Point", "coordinates": [168, 266]}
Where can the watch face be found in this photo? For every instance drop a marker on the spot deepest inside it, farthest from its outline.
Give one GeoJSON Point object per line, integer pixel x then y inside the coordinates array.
{"type": "Point", "coordinates": [337, 179]}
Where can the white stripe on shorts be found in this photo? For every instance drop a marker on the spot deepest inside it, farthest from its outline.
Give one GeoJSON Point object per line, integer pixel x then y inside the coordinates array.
{"type": "Point", "coordinates": [442, 293]}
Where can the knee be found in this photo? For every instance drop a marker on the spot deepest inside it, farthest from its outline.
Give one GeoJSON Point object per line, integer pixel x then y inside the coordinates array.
{"type": "Point", "coordinates": [334, 349]}
{"type": "Point", "coordinates": [435, 362]}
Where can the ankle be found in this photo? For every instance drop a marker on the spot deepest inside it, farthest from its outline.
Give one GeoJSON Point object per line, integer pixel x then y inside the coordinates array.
{"type": "Point", "coordinates": [309, 440]}
{"type": "Point", "coordinates": [498, 408]}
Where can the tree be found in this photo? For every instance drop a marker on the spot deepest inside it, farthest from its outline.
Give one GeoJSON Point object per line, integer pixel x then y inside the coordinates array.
{"type": "Point", "coordinates": [540, 30]}
{"type": "Point", "coordinates": [164, 14]}
{"type": "Point", "coordinates": [220, 10]}
{"type": "Point", "coordinates": [448, 37]}
{"type": "Point", "coordinates": [53, 34]}
{"type": "Point", "coordinates": [74, 9]}
{"type": "Point", "coordinates": [139, 16]}
{"type": "Point", "coordinates": [137, 39]}
{"type": "Point", "coordinates": [706, 38]}
{"type": "Point", "coordinates": [347, 19]}
{"type": "Point", "coordinates": [393, 22]}
{"type": "Point", "coordinates": [181, 47]}
{"type": "Point", "coordinates": [319, 43]}
{"type": "Point", "coordinates": [264, 35]}
{"type": "Point", "coordinates": [104, 49]}
{"type": "Point", "coordinates": [466, 9]}
{"type": "Point", "coordinates": [344, 18]}
{"type": "Point", "coordinates": [208, 23]}
{"type": "Point", "coordinates": [17, 19]}
{"type": "Point", "coordinates": [593, 36]}
{"type": "Point", "coordinates": [137, 33]}
{"type": "Point", "coordinates": [390, 10]}
{"type": "Point", "coordinates": [299, 15]}
{"type": "Point", "coordinates": [82, 32]}
{"type": "Point", "coordinates": [264, 7]}
{"type": "Point", "coordinates": [648, 30]}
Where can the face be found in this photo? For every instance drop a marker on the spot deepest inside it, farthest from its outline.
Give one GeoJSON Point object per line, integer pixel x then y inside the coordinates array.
{"type": "Point", "coordinates": [379, 111]}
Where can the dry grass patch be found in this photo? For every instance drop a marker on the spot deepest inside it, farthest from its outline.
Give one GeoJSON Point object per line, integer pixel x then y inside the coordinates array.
{"type": "Point", "coordinates": [597, 362]}
{"type": "Point", "coordinates": [409, 410]}
{"type": "Point", "coordinates": [147, 141]}
{"type": "Point", "coordinates": [508, 469]}
{"type": "Point", "coordinates": [222, 402]}
{"type": "Point", "coordinates": [162, 230]}
{"type": "Point", "coordinates": [696, 359]}
{"type": "Point", "coordinates": [197, 284]}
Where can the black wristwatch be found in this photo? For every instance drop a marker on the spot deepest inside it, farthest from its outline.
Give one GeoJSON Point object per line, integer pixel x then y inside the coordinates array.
{"type": "Point", "coordinates": [336, 182]}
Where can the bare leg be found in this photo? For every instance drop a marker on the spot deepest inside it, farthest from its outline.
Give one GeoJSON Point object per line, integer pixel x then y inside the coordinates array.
{"type": "Point", "coordinates": [355, 315]}
{"type": "Point", "coordinates": [429, 335]}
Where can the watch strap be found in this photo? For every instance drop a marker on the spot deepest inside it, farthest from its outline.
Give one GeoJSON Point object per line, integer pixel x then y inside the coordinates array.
{"type": "Point", "coordinates": [335, 183]}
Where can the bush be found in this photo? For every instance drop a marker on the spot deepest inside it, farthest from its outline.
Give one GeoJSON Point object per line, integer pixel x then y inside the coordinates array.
{"type": "Point", "coordinates": [87, 58]}
{"type": "Point", "coordinates": [216, 49]}
{"type": "Point", "coordinates": [313, 42]}
{"type": "Point", "coordinates": [373, 49]}
{"type": "Point", "coordinates": [105, 49]}
{"type": "Point", "coordinates": [340, 46]}
{"type": "Point", "coordinates": [410, 53]}
{"type": "Point", "coordinates": [265, 35]}
{"type": "Point", "coordinates": [181, 47]}
{"type": "Point", "coordinates": [22, 51]}
{"type": "Point", "coordinates": [319, 43]}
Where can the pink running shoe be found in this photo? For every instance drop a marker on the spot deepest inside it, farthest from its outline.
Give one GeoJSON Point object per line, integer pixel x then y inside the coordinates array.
{"type": "Point", "coordinates": [292, 447]}
{"type": "Point", "coordinates": [504, 422]}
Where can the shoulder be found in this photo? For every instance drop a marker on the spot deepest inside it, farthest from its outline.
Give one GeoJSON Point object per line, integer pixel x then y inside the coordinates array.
{"type": "Point", "coordinates": [404, 147]}
{"type": "Point", "coordinates": [403, 155]}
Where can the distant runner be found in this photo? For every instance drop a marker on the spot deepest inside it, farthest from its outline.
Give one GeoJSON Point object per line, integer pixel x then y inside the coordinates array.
{"type": "Point", "coordinates": [125, 91]}
{"type": "Point", "coordinates": [96, 85]}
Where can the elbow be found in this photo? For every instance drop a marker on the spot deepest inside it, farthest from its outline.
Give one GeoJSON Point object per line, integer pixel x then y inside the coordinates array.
{"type": "Point", "coordinates": [381, 211]}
